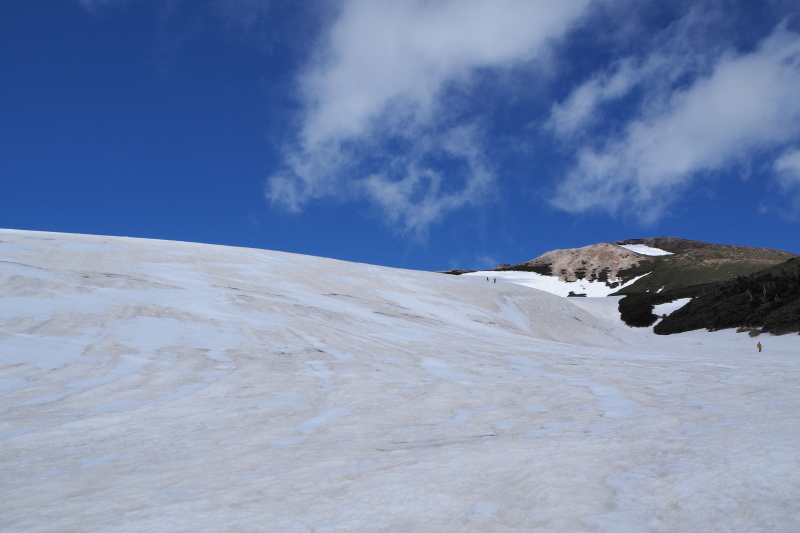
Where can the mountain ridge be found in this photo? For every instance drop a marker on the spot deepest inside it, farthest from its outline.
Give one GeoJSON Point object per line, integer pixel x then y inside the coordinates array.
{"type": "Point", "coordinates": [681, 263]}
{"type": "Point", "coordinates": [654, 271]}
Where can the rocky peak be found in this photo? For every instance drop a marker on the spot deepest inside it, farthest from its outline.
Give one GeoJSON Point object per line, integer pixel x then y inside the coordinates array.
{"type": "Point", "coordinates": [601, 261]}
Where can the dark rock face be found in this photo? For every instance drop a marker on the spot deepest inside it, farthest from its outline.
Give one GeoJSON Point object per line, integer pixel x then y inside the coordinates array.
{"type": "Point", "coordinates": [769, 300]}
{"type": "Point", "coordinates": [455, 272]}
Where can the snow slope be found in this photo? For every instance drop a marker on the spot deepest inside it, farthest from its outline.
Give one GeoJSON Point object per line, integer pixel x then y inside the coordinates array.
{"type": "Point", "coordinates": [164, 386]}
{"type": "Point", "coordinates": [551, 284]}
{"type": "Point", "coordinates": [554, 285]}
{"type": "Point", "coordinates": [643, 249]}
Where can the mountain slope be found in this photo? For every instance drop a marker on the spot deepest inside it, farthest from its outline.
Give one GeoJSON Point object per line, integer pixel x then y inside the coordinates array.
{"type": "Point", "coordinates": [697, 271]}
{"type": "Point", "coordinates": [639, 265]}
{"type": "Point", "coordinates": [648, 272]}
{"type": "Point", "coordinates": [768, 299]}
{"type": "Point", "coordinates": [696, 263]}
{"type": "Point", "coordinates": [597, 262]}
{"type": "Point", "coordinates": [686, 263]}
{"type": "Point", "coordinates": [152, 385]}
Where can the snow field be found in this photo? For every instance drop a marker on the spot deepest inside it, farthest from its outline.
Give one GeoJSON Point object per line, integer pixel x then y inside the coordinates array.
{"type": "Point", "coordinates": [151, 385]}
{"type": "Point", "coordinates": [645, 250]}
{"type": "Point", "coordinates": [551, 284]}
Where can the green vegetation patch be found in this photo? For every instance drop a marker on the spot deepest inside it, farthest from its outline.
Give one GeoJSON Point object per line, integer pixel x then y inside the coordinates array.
{"type": "Point", "coordinates": [769, 300]}
{"type": "Point", "coordinates": [636, 309]}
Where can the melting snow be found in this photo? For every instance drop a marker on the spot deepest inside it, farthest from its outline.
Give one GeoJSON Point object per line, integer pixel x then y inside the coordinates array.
{"type": "Point", "coordinates": [162, 386]}
{"type": "Point", "coordinates": [645, 250]}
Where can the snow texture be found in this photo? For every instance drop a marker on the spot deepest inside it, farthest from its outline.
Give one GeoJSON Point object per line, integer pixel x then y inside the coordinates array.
{"type": "Point", "coordinates": [643, 249]}
{"type": "Point", "coordinates": [165, 386]}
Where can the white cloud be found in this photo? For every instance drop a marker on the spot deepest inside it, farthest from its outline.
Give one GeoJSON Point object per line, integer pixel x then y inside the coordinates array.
{"type": "Point", "coordinates": [579, 109]}
{"type": "Point", "coordinates": [656, 73]}
{"type": "Point", "coordinates": [381, 78]}
{"type": "Point", "coordinates": [683, 49]}
{"type": "Point", "coordinates": [747, 104]}
{"type": "Point", "coordinates": [787, 169]}
{"type": "Point", "coordinates": [787, 173]}
{"type": "Point", "coordinates": [418, 198]}
{"type": "Point", "coordinates": [383, 52]}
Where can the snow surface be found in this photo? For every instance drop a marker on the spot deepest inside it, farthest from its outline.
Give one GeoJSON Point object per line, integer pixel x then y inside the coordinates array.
{"type": "Point", "coordinates": [552, 284]}
{"type": "Point", "coordinates": [164, 386]}
{"type": "Point", "coordinates": [670, 307]}
{"type": "Point", "coordinates": [645, 250]}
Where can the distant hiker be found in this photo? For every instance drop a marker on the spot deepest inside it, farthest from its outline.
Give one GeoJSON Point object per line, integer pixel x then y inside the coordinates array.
{"type": "Point", "coordinates": [495, 280]}
{"type": "Point", "coordinates": [487, 278]}
{"type": "Point", "coordinates": [758, 346]}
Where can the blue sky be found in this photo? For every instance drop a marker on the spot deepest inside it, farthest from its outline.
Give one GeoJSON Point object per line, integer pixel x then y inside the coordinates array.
{"type": "Point", "coordinates": [419, 134]}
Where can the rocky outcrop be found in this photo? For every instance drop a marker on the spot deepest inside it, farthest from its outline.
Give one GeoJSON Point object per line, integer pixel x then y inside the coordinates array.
{"type": "Point", "coordinates": [601, 262]}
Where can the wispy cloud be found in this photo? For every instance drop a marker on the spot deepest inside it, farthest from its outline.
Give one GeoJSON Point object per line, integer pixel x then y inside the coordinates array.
{"type": "Point", "coordinates": [389, 110]}
{"type": "Point", "coordinates": [485, 262]}
{"type": "Point", "coordinates": [745, 106]}
{"type": "Point", "coordinates": [787, 168]}
{"type": "Point", "coordinates": [683, 49]}
{"type": "Point", "coordinates": [413, 195]}
{"type": "Point", "coordinates": [377, 119]}
{"type": "Point", "coordinates": [787, 172]}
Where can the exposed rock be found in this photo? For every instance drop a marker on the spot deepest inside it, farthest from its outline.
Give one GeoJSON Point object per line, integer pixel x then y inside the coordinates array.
{"type": "Point", "coordinates": [455, 272]}
{"type": "Point", "coordinates": [601, 261]}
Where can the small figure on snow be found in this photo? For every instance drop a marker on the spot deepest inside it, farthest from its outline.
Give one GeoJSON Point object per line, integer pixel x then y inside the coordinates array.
{"type": "Point", "coordinates": [758, 346]}
{"type": "Point", "coordinates": [495, 280]}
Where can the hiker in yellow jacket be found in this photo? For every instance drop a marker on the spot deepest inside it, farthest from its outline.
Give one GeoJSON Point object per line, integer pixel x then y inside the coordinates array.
{"type": "Point", "coordinates": [758, 346]}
